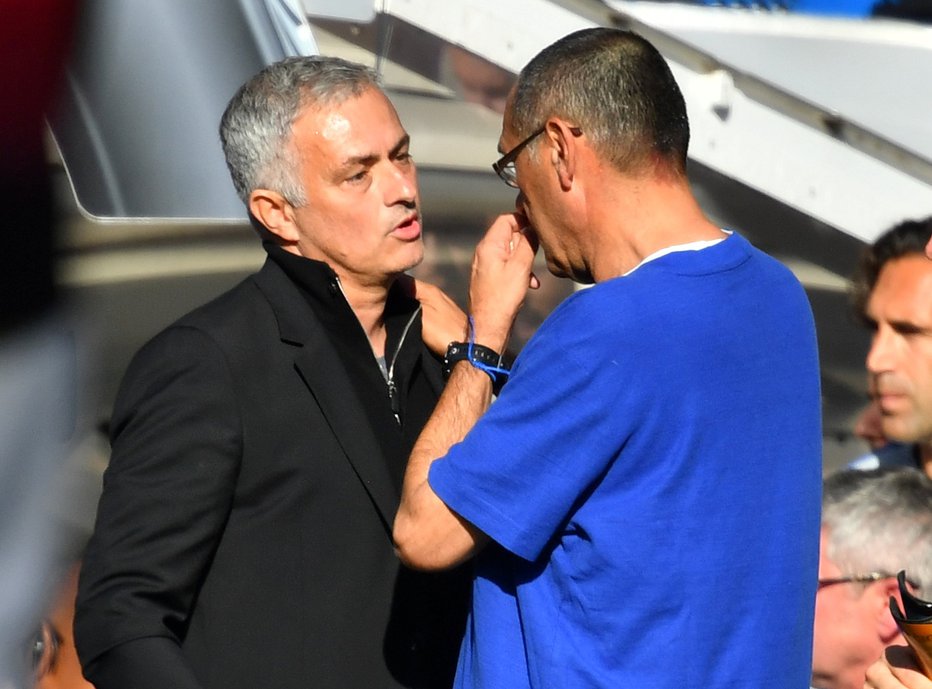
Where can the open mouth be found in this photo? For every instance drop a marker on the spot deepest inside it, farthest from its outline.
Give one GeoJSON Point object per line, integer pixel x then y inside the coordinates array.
{"type": "Point", "coordinates": [409, 228]}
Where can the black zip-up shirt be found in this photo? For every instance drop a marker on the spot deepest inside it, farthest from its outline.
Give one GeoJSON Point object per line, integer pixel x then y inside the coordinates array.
{"type": "Point", "coordinates": [416, 388]}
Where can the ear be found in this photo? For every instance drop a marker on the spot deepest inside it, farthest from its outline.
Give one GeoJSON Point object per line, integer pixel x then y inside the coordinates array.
{"type": "Point", "coordinates": [887, 630]}
{"type": "Point", "coordinates": [564, 150]}
{"type": "Point", "coordinates": [275, 213]}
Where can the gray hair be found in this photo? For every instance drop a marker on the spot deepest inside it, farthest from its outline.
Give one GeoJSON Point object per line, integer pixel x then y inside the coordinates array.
{"type": "Point", "coordinates": [616, 87]}
{"type": "Point", "coordinates": [879, 520]}
{"type": "Point", "coordinates": [256, 126]}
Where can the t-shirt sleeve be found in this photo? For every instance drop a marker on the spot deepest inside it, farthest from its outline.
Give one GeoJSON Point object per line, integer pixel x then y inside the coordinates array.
{"type": "Point", "coordinates": [543, 444]}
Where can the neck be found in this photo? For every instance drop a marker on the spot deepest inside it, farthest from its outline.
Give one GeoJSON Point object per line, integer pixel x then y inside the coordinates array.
{"type": "Point", "coordinates": [642, 216]}
{"type": "Point", "coordinates": [366, 298]}
{"type": "Point", "coordinates": [368, 303]}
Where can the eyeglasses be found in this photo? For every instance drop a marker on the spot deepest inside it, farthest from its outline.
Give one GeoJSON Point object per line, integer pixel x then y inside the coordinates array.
{"type": "Point", "coordinates": [868, 578]}
{"type": "Point", "coordinates": [505, 166]}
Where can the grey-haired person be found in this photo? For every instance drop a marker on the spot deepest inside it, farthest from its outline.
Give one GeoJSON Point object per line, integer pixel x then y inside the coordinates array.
{"type": "Point", "coordinates": [243, 535]}
{"type": "Point", "coordinates": [874, 524]}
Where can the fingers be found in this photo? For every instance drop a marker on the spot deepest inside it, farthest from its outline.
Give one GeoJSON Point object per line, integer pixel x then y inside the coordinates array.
{"type": "Point", "coordinates": [501, 275]}
{"type": "Point", "coordinates": [442, 320]}
{"type": "Point", "coordinates": [879, 677]}
{"type": "Point", "coordinates": [531, 236]}
{"type": "Point", "coordinates": [903, 667]}
{"type": "Point", "coordinates": [897, 669]}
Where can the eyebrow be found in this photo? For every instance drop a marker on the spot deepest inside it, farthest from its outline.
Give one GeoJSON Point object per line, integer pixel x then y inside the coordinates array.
{"type": "Point", "coordinates": [908, 326]}
{"type": "Point", "coordinates": [403, 142]}
{"type": "Point", "coordinates": [371, 158]}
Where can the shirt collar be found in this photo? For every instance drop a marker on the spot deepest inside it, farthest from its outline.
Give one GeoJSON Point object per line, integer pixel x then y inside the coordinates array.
{"type": "Point", "coordinates": [688, 246]}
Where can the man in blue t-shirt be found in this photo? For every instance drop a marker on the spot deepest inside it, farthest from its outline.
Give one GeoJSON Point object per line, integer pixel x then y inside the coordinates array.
{"type": "Point", "coordinates": [642, 500]}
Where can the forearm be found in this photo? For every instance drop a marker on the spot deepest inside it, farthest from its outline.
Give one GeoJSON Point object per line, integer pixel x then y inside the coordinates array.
{"type": "Point", "coordinates": [428, 534]}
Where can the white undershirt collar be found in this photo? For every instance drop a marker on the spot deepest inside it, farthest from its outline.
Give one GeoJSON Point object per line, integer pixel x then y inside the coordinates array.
{"type": "Point", "coordinates": [688, 246]}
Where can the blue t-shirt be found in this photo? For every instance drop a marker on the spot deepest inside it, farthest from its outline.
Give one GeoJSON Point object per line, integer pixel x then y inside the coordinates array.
{"type": "Point", "coordinates": [651, 479]}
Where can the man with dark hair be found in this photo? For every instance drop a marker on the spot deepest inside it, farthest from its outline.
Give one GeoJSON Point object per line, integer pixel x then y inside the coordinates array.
{"type": "Point", "coordinates": [874, 524]}
{"type": "Point", "coordinates": [243, 534]}
{"type": "Point", "coordinates": [892, 294]}
{"type": "Point", "coordinates": [655, 426]}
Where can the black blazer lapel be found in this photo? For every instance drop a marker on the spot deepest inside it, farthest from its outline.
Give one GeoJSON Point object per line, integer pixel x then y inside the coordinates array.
{"type": "Point", "coordinates": [319, 365]}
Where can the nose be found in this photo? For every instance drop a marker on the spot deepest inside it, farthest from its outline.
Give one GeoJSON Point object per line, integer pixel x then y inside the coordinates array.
{"type": "Point", "coordinates": [402, 187]}
{"type": "Point", "coordinates": [881, 355]}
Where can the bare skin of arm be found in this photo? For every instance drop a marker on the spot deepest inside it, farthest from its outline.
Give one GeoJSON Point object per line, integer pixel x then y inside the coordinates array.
{"type": "Point", "coordinates": [428, 534]}
{"type": "Point", "coordinates": [897, 669]}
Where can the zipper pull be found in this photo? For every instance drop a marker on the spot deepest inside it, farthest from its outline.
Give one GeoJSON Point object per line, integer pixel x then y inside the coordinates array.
{"type": "Point", "coordinates": [394, 398]}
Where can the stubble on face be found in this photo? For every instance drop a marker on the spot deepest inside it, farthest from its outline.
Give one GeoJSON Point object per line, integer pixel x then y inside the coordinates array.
{"type": "Point", "coordinates": [362, 215]}
{"type": "Point", "coordinates": [900, 358]}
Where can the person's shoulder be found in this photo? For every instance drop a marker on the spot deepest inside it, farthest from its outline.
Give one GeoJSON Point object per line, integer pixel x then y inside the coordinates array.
{"type": "Point", "coordinates": [767, 280]}
{"type": "Point", "coordinates": [763, 261]}
{"type": "Point", "coordinates": [589, 317]}
{"type": "Point", "coordinates": [736, 251]}
{"type": "Point", "coordinates": [228, 317]}
{"type": "Point", "coordinates": [585, 306]}
{"type": "Point", "coordinates": [241, 311]}
{"type": "Point", "coordinates": [222, 307]}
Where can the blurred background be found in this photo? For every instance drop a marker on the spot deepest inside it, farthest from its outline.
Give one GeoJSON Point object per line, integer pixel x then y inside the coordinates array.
{"type": "Point", "coordinates": [810, 122]}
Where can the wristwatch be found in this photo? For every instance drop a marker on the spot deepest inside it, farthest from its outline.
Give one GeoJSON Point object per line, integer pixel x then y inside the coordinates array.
{"type": "Point", "coordinates": [481, 357]}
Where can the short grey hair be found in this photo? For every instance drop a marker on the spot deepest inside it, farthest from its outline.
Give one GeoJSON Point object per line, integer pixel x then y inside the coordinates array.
{"type": "Point", "coordinates": [616, 87]}
{"type": "Point", "coordinates": [879, 520]}
{"type": "Point", "coordinates": [256, 127]}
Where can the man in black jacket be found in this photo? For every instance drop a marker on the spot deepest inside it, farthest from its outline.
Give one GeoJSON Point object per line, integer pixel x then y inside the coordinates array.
{"type": "Point", "coordinates": [243, 537]}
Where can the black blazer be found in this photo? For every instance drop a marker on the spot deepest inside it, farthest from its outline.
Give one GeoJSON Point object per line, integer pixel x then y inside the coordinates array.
{"type": "Point", "coordinates": [243, 537]}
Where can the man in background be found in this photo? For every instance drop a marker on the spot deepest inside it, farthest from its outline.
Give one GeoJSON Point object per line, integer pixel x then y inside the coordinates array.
{"type": "Point", "coordinates": [893, 296]}
{"type": "Point", "coordinates": [874, 524]}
